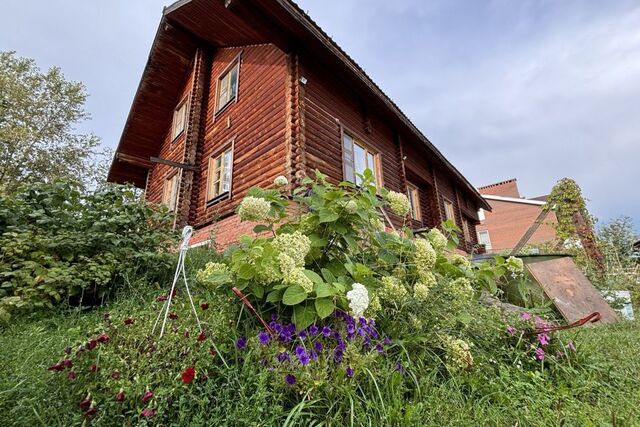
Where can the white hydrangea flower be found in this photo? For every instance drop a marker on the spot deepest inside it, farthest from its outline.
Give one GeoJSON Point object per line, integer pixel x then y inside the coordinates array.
{"type": "Point", "coordinates": [425, 255]}
{"type": "Point", "coordinates": [399, 203]}
{"type": "Point", "coordinates": [460, 260]}
{"type": "Point", "coordinates": [296, 276]}
{"type": "Point", "coordinates": [461, 288]}
{"type": "Point", "coordinates": [514, 265]}
{"type": "Point", "coordinates": [458, 353]}
{"type": "Point", "coordinates": [377, 224]}
{"type": "Point", "coordinates": [211, 268]}
{"type": "Point", "coordinates": [392, 289]}
{"type": "Point", "coordinates": [254, 209]}
{"type": "Point", "coordinates": [437, 239]}
{"type": "Point", "coordinates": [421, 291]}
{"type": "Point", "coordinates": [351, 206]}
{"type": "Point", "coordinates": [374, 307]}
{"type": "Point", "coordinates": [281, 181]}
{"type": "Point", "coordinates": [296, 245]}
{"type": "Point", "coordinates": [358, 298]}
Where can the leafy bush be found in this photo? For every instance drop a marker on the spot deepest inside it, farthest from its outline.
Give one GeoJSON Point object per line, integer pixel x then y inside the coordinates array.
{"type": "Point", "coordinates": [58, 243]}
{"type": "Point", "coordinates": [353, 309]}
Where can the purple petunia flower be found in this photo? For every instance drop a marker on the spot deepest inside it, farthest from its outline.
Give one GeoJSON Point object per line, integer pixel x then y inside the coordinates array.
{"type": "Point", "coordinates": [362, 321]}
{"type": "Point", "coordinates": [351, 328]}
{"type": "Point", "coordinates": [544, 339]}
{"type": "Point", "coordinates": [283, 357]}
{"type": "Point", "coordinates": [379, 348]}
{"type": "Point", "coordinates": [241, 343]}
{"type": "Point", "coordinates": [386, 341]}
{"type": "Point", "coordinates": [299, 350]}
{"type": "Point", "coordinates": [317, 346]}
{"type": "Point", "coordinates": [539, 353]}
{"type": "Point", "coordinates": [302, 334]}
{"type": "Point", "coordinates": [338, 355]}
{"type": "Point", "coordinates": [511, 330]}
{"type": "Point", "coordinates": [313, 355]}
{"type": "Point", "coordinates": [264, 338]}
{"type": "Point", "coordinates": [274, 316]}
{"type": "Point", "coordinates": [341, 346]}
{"type": "Point", "coordinates": [349, 372]}
{"type": "Point", "coordinates": [525, 316]}
{"type": "Point", "coordinates": [400, 368]}
{"type": "Point", "coordinates": [313, 330]}
{"type": "Point", "coordinates": [571, 346]}
{"type": "Point", "coordinates": [290, 379]}
{"type": "Point", "coordinates": [326, 331]}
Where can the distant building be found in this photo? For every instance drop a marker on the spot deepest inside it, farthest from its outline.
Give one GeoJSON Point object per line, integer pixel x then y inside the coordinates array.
{"type": "Point", "coordinates": [510, 217]}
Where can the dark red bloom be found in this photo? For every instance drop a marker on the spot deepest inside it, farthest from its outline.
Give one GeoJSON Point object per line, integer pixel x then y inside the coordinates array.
{"type": "Point", "coordinates": [188, 375]}
{"type": "Point", "coordinates": [202, 337]}
{"type": "Point", "coordinates": [120, 396]}
{"type": "Point", "coordinates": [115, 375]}
{"type": "Point", "coordinates": [57, 367]}
{"type": "Point", "coordinates": [92, 344]}
{"type": "Point", "coordinates": [103, 338]}
{"type": "Point", "coordinates": [67, 363]}
{"type": "Point", "coordinates": [71, 376]}
{"type": "Point", "coordinates": [86, 402]}
{"type": "Point", "coordinates": [162, 298]}
{"type": "Point", "coordinates": [147, 395]}
{"type": "Point", "coordinates": [204, 305]}
{"type": "Point", "coordinates": [173, 316]}
{"type": "Point", "coordinates": [213, 352]}
{"type": "Point", "coordinates": [93, 368]}
{"type": "Point", "coordinates": [174, 293]}
{"type": "Point", "coordinates": [148, 412]}
{"type": "Point", "coordinates": [128, 321]}
{"type": "Point", "coordinates": [91, 412]}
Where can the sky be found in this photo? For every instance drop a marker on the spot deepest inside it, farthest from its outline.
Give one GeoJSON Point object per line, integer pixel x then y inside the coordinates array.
{"type": "Point", "coordinates": [533, 90]}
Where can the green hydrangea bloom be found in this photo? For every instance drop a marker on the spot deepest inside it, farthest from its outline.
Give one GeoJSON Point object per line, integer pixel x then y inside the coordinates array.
{"type": "Point", "coordinates": [254, 209]}
{"type": "Point", "coordinates": [437, 239]}
{"type": "Point", "coordinates": [398, 203]}
{"type": "Point", "coordinates": [392, 290]}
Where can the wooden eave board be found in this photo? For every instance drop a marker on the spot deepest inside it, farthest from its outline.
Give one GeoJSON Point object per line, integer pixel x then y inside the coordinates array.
{"type": "Point", "coordinates": [570, 290]}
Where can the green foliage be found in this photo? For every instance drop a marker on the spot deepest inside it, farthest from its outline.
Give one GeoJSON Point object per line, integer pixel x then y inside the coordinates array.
{"type": "Point", "coordinates": [58, 243]}
{"type": "Point", "coordinates": [38, 139]}
{"type": "Point", "coordinates": [565, 201]}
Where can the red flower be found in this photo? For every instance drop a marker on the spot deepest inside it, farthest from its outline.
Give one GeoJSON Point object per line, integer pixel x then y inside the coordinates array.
{"type": "Point", "coordinates": [115, 375]}
{"type": "Point", "coordinates": [57, 367]}
{"type": "Point", "coordinates": [103, 338]}
{"type": "Point", "coordinates": [120, 396]}
{"type": "Point", "coordinates": [93, 368]}
{"type": "Point", "coordinates": [92, 344]}
{"type": "Point", "coordinates": [213, 352]}
{"type": "Point", "coordinates": [204, 305]}
{"type": "Point", "coordinates": [84, 403]}
{"type": "Point", "coordinates": [128, 321]}
{"type": "Point", "coordinates": [202, 337]}
{"type": "Point", "coordinates": [147, 395]}
{"type": "Point", "coordinates": [91, 412]}
{"type": "Point", "coordinates": [162, 298]}
{"type": "Point", "coordinates": [148, 412]}
{"type": "Point", "coordinates": [173, 316]}
{"type": "Point", "coordinates": [67, 363]}
{"type": "Point", "coordinates": [71, 376]}
{"type": "Point", "coordinates": [188, 375]}
{"type": "Point", "coordinates": [174, 293]}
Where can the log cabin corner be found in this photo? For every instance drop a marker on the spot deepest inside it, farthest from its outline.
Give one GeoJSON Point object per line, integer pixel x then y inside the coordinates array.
{"type": "Point", "coordinates": [236, 93]}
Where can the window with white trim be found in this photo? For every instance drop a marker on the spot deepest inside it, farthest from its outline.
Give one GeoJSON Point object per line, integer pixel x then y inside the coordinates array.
{"type": "Point", "coordinates": [484, 239]}
{"type": "Point", "coordinates": [356, 158]}
{"type": "Point", "coordinates": [413, 194]}
{"type": "Point", "coordinates": [170, 192]}
{"type": "Point", "coordinates": [179, 119]}
{"type": "Point", "coordinates": [219, 175]}
{"type": "Point", "coordinates": [228, 86]}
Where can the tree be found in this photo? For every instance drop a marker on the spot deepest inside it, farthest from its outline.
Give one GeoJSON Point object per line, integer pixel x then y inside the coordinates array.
{"type": "Point", "coordinates": [38, 139]}
{"type": "Point", "coordinates": [617, 238]}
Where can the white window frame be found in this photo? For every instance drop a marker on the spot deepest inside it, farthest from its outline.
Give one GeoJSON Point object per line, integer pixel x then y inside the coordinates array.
{"type": "Point", "coordinates": [487, 244]}
{"type": "Point", "coordinates": [179, 124]}
{"type": "Point", "coordinates": [413, 194]}
{"type": "Point", "coordinates": [170, 191]}
{"type": "Point", "coordinates": [349, 143]}
{"type": "Point", "coordinates": [217, 186]}
{"type": "Point", "coordinates": [225, 87]}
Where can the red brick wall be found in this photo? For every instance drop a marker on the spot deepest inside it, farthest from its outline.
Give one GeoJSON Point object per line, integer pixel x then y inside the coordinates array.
{"type": "Point", "coordinates": [508, 222]}
{"type": "Point", "coordinates": [507, 188]}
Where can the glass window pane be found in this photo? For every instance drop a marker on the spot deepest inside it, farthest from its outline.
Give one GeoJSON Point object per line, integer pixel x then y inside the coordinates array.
{"type": "Point", "coordinates": [359, 160]}
{"type": "Point", "coordinates": [347, 143]}
{"type": "Point", "coordinates": [226, 181]}
{"type": "Point", "coordinates": [233, 82]}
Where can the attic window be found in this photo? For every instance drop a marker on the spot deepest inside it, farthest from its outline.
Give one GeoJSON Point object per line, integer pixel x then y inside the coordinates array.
{"type": "Point", "coordinates": [228, 85]}
{"type": "Point", "coordinates": [179, 119]}
{"type": "Point", "coordinates": [357, 158]}
{"type": "Point", "coordinates": [483, 238]}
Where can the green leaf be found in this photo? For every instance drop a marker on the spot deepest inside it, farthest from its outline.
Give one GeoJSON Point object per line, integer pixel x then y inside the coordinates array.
{"type": "Point", "coordinates": [327, 216]}
{"type": "Point", "coordinates": [304, 315]}
{"type": "Point", "coordinates": [294, 295]}
{"type": "Point", "coordinates": [324, 290]}
{"type": "Point", "coordinates": [317, 241]}
{"type": "Point", "coordinates": [328, 275]}
{"type": "Point", "coordinates": [260, 228]}
{"type": "Point", "coordinates": [275, 296]}
{"type": "Point", "coordinates": [324, 307]}
{"type": "Point", "coordinates": [313, 276]}
{"type": "Point", "coordinates": [246, 272]}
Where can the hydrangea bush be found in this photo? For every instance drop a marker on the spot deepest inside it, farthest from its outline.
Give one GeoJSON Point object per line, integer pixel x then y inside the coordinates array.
{"type": "Point", "coordinates": [349, 298]}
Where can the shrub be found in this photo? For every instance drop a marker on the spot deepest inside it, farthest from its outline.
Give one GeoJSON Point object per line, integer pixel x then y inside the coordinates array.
{"type": "Point", "coordinates": [58, 243]}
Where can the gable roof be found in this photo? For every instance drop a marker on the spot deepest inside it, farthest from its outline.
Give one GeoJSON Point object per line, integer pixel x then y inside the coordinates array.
{"type": "Point", "coordinates": [235, 23]}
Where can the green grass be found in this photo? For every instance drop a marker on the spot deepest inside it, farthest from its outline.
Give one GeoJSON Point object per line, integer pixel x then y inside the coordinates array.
{"type": "Point", "coordinates": [603, 388]}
